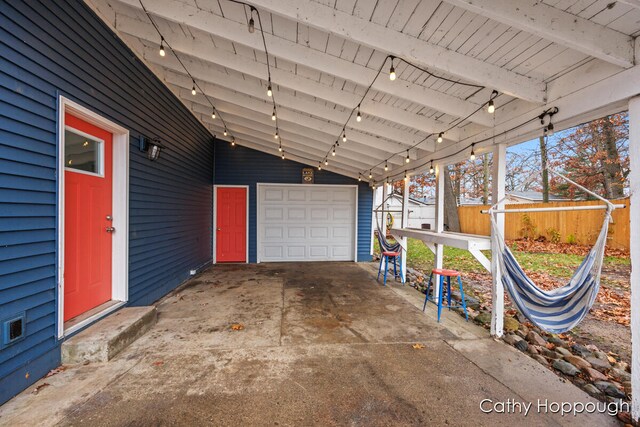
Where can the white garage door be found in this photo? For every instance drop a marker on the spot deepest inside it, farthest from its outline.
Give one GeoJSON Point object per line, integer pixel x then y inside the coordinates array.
{"type": "Point", "coordinates": [306, 222]}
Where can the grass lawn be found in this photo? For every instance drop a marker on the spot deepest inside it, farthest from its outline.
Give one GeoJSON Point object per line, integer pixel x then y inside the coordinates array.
{"type": "Point", "coordinates": [557, 265]}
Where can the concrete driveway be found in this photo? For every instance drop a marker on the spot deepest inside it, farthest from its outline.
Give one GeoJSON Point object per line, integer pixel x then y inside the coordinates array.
{"type": "Point", "coordinates": [320, 344]}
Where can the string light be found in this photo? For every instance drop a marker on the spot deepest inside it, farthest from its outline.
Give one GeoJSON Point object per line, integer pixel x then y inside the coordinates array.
{"type": "Point", "coordinates": [473, 154]}
{"type": "Point", "coordinates": [280, 147]}
{"type": "Point", "coordinates": [252, 24]}
{"type": "Point", "coordinates": [358, 116]}
{"type": "Point", "coordinates": [225, 133]}
{"type": "Point", "coordinates": [333, 152]}
{"type": "Point", "coordinates": [491, 108]}
{"type": "Point", "coordinates": [386, 166]}
{"type": "Point", "coordinates": [233, 142]}
{"type": "Point", "coordinates": [213, 114]}
{"type": "Point", "coordinates": [162, 52]}
{"type": "Point", "coordinates": [406, 178]}
{"type": "Point", "coordinates": [359, 178]}
{"type": "Point", "coordinates": [392, 71]}
{"type": "Point", "coordinates": [319, 166]}
{"type": "Point", "coordinates": [273, 115]}
{"type": "Point", "coordinates": [193, 89]}
{"type": "Point", "coordinates": [276, 136]}
{"type": "Point", "coordinates": [431, 167]}
{"type": "Point", "coordinates": [440, 135]}
{"type": "Point", "coordinates": [326, 162]}
{"type": "Point", "coordinates": [344, 136]}
{"type": "Point", "coordinates": [370, 174]}
{"type": "Point", "coordinates": [283, 155]}
{"type": "Point", "coordinates": [374, 185]}
{"type": "Point", "coordinates": [407, 159]}
{"type": "Point", "coordinates": [550, 129]}
{"type": "Point", "coordinates": [269, 91]}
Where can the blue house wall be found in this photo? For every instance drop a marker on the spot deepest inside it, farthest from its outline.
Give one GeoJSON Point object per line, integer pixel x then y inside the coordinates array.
{"type": "Point", "coordinates": [52, 48]}
{"type": "Point", "coordinates": [244, 166]}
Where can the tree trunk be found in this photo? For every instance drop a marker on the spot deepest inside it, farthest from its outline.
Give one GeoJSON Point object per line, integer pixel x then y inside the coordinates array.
{"type": "Point", "coordinates": [611, 166]}
{"type": "Point", "coordinates": [451, 219]}
{"type": "Point", "coordinates": [485, 179]}
{"type": "Point", "coordinates": [545, 173]}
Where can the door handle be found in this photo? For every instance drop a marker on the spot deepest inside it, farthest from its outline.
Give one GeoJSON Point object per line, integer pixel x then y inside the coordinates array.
{"type": "Point", "coordinates": [110, 229]}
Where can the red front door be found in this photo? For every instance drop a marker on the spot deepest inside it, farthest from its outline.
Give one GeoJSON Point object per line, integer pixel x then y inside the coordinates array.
{"type": "Point", "coordinates": [87, 216]}
{"type": "Point", "coordinates": [231, 224]}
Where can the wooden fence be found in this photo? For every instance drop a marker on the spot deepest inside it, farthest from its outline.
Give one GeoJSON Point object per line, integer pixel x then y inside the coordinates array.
{"type": "Point", "coordinates": [580, 227]}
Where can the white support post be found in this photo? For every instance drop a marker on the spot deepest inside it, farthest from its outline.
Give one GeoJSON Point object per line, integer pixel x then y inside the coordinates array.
{"type": "Point", "coordinates": [634, 179]}
{"type": "Point", "coordinates": [405, 224]}
{"type": "Point", "coordinates": [498, 192]}
{"type": "Point", "coordinates": [439, 253]}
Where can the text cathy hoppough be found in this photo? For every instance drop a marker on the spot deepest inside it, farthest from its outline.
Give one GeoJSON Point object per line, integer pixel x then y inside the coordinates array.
{"type": "Point", "coordinates": [512, 406]}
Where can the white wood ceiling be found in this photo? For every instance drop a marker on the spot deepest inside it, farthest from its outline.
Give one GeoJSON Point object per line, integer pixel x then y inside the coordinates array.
{"type": "Point", "coordinates": [325, 53]}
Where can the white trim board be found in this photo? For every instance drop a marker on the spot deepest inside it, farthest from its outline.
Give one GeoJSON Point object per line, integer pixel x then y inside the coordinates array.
{"type": "Point", "coordinates": [215, 212]}
{"type": "Point", "coordinates": [259, 185]}
{"type": "Point", "coordinates": [120, 211]}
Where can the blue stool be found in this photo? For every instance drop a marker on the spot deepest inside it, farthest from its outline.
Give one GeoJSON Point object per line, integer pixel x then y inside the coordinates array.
{"type": "Point", "coordinates": [448, 274]}
{"type": "Point", "coordinates": [395, 257]}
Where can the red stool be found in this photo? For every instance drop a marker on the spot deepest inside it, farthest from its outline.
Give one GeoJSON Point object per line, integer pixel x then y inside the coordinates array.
{"type": "Point", "coordinates": [395, 256]}
{"type": "Point", "coordinates": [448, 274]}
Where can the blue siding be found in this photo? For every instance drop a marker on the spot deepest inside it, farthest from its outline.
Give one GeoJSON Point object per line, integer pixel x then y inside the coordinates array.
{"type": "Point", "coordinates": [244, 166]}
{"type": "Point", "coordinates": [170, 200]}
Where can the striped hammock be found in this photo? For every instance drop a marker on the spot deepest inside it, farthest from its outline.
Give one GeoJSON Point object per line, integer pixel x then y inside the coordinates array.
{"type": "Point", "coordinates": [557, 310]}
{"type": "Point", "coordinates": [385, 246]}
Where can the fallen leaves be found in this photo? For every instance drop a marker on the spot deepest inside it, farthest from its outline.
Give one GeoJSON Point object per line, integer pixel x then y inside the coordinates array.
{"type": "Point", "coordinates": [237, 327]}
{"type": "Point", "coordinates": [57, 370]}
{"type": "Point", "coordinates": [534, 246]}
{"type": "Point", "coordinates": [418, 346]}
{"type": "Point", "coordinates": [40, 387]}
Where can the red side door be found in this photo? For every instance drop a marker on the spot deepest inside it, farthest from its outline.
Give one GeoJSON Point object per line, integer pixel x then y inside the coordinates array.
{"type": "Point", "coordinates": [231, 224]}
{"type": "Point", "coordinates": [87, 212]}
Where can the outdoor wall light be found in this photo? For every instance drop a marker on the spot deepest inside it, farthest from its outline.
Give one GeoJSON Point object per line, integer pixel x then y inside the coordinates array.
{"type": "Point", "coordinates": [151, 146]}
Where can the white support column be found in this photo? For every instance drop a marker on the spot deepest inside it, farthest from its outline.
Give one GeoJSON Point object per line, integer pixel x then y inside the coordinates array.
{"type": "Point", "coordinates": [634, 179]}
{"type": "Point", "coordinates": [439, 253]}
{"type": "Point", "coordinates": [405, 224]}
{"type": "Point", "coordinates": [498, 192]}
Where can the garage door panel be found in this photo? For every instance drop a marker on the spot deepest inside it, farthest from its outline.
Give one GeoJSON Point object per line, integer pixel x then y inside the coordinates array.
{"type": "Point", "coordinates": [306, 223]}
{"type": "Point", "coordinates": [274, 195]}
{"type": "Point", "coordinates": [273, 213]}
{"type": "Point", "coordinates": [319, 214]}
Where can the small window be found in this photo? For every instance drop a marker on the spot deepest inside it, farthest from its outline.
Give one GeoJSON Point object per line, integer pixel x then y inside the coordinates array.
{"type": "Point", "coordinates": [82, 152]}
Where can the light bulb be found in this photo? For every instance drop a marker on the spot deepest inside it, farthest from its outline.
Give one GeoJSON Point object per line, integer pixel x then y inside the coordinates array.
{"type": "Point", "coordinates": [252, 25]}
{"type": "Point", "coordinates": [359, 178]}
{"type": "Point", "coordinates": [392, 72]}
{"type": "Point", "coordinates": [550, 129]}
{"type": "Point", "coordinates": [319, 166]}
{"type": "Point", "coordinates": [276, 135]}
{"type": "Point", "coordinates": [406, 178]}
{"type": "Point", "coordinates": [473, 155]}
{"type": "Point", "coordinates": [283, 155]}
{"type": "Point", "coordinates": [162, 52]}
{"type": "Point", "coordinates": [225, 133]}
{"type": "Point", "coordinates": [386, 167]}
{"type": "Point", "coordinates": [326, 162]}
{"type": "Point", "coordinates": [280, 148]}
{"type": "Point", "coordinates": [269, 91]}
{"type": "Point", "coordinates": [193, 90]}
{"type": "Point", "coordinates": [491, 108]}
{"type": "Point", "coordinates": [344, 137]}
{"type": "Point", "coordinates": [333, 153]}
{"type": "Point", "coordinates": [358, 117]}
{"type": "Point", "coordinates": [431, 168]}
{"type": "Point", "coordinates": [440, 137]}
{"type": "Point", "coordinates": [273, 116]}
{"type": "Point", "coordinates": [370, 175]}
{"type": "Point", "coordinates": [407, 159]}
{"type": "Point", "coordinates": [213, 115]}
{"type": "Point", "coordinates": [233, 142]}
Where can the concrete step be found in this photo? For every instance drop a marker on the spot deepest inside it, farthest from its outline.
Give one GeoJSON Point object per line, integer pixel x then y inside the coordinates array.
{"type": "Point", "coordinates": [101, 341]}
